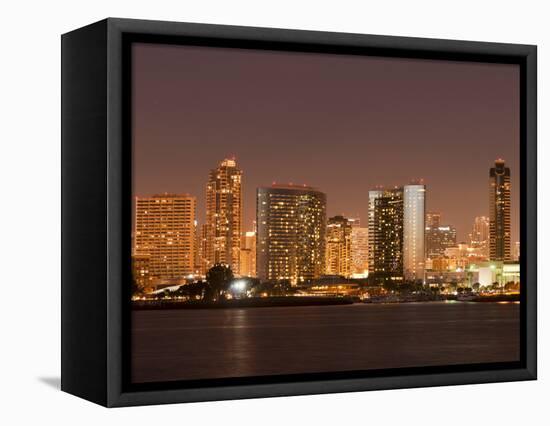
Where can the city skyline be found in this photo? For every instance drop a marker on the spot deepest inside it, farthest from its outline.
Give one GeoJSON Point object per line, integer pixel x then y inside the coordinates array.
{"type": "Point", "coordinates": [331, 136]}
{"type": "Point", "coordinates": [203, 215]}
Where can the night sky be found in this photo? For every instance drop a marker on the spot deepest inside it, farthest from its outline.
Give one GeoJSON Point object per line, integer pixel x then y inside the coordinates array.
{"type": "Point", "coordinates": [340, 123]}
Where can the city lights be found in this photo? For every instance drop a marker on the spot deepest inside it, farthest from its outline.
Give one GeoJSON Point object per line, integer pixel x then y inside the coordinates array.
{"type": "Point", "coordinates": [293, 243]}
{"type": "Point", "coordinates": [239, 286]}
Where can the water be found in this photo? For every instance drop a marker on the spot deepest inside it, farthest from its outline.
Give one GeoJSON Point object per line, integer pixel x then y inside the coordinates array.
{"type": "Point", "coordinates": [198, 344]}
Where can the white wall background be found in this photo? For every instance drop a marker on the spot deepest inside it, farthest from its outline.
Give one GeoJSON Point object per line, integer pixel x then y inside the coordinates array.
{"type": "Point", "coordinates": [30, 211]}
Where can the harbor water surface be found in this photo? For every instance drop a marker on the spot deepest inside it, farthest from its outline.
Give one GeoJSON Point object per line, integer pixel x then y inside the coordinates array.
{"type": "Point", "coordinates": [216, 343]}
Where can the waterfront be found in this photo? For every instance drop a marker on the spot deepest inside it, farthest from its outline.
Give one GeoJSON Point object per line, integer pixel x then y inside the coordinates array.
{"type": "Point", "coordinates": [196, 344]}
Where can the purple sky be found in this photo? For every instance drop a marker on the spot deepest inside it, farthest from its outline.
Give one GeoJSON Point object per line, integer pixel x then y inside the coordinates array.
{"type": "Point", "coordinates": [340, 123]}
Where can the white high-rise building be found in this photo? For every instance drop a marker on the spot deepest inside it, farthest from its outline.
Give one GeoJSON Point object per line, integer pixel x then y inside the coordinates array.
{"type": "Point", "coordinates": [414, 209]}
{"type": "Point", "coordinates": [248, 254]}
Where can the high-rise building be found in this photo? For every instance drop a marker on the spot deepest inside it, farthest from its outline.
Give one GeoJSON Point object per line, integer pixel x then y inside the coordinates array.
{"type": "Point", "coordinates": [338, 246]}
{"type": "Point", "coordinates": [248, 254]}
{"type": "Point", "coordinates": [202, 250]}
{"type": "Point", "coordinates": [414, 207]}
{"type": "Point", "coordinates": [224, 215]}
{"type": "Point", "coordinates": [373, 196]}
{"type": "Point", "coordinates": [359, 250]}
{"type": "Point", "coordinates": [433, 219]}
{"type": "Point", "coordinates": [479, 237]}
{"type": "Point", "coordinates": [438, 239]}
{"type": "Point", "coordinates": [291, 224]}
{"type": "Point", "coordinates": [355, 222]}
{"type": "Point", "coordinates": [165, 232]}
{"type": "Point", "coordinates": [499, 211]}
{"type": "Point", "coordinates": [386, 238]}
{"type": "Point", "coordinates": [198, 258]}
{"type": "Point", "coordinates": [140, 271]}
{"type": "Point", "coordinates": [517, 251]}
{"type": "Point", "coordinates": [396, 233]}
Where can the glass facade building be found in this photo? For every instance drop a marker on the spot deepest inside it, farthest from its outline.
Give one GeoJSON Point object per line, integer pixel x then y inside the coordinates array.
{"type": "Point", "coordinates": [438, 239]}
{"type": "Point", "coordinates": [339, 246]}
{"type": "Point", "coordinates": [386, 238]}
{"type": "Point", "coordinates": [414, 201]}
{"type": "Point", "coordinates": [499, 211]}
{"type": "Point", "coordinates": [359, 251]}
{"type": "Point", "coordinates": [223, 216]}
{"type": "Point", "coordinates": [164, 231]}
{"type": "Point", "coordinates": [479, 238]}
{"type": "Point", "coordinates": [291, 234]}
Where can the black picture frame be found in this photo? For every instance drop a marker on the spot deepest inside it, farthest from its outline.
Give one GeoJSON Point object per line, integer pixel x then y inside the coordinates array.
{"type": "Point", "coordinates": [96, 185]}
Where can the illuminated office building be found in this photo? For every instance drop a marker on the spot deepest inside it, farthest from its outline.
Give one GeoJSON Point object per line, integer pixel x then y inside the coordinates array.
{"type": "Point", "coordinates": [223, 215]}
{"type": "Point", "coordinates": [479, 237]}
{"type": "Point", "coordinates": [248, 254]}
{"type": "Point", "coordinates": [438, 239]}
{"type": "Point", "coordinates": [355, 222]}
{"type": "Point", "coordinates": [338, 246]}
{"type": "Point", "coordinates": [517, 251]}
{"type": "Point", "coordinates": [386, 238]}
{"type": "Point", "coordinates": [396, 233]}
{"type": "Point", "coordinates": [414, 202]}
{"type": "Point", "coordinates": [140, 270]}
{"type": "Point", "coordinates": [198, 257]}
{"type": "Point", "coordinates": [291, 223]}
{"type": "Point", "coordinates": [165, 232]}
{"type": "Point", "coordinates": [499, 212]}
{"type": "Point", "coordinates": [433, 219]}
{"type": "Point", "coordinates": [203, 263]}
{"type": "Point", "coordinates": [359, 251]}
{"type": "Point", "coordinates": [373, 196]}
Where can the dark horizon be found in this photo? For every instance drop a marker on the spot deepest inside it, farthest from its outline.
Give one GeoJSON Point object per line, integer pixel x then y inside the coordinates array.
{"type": "Point", "coordinates": [343, 124]}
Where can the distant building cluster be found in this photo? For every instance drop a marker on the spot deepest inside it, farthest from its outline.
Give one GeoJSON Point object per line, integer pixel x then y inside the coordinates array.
{"type": "Point", "coordinates": [487, 257]}
{"type": "Point", "coordinates": [293, 240]}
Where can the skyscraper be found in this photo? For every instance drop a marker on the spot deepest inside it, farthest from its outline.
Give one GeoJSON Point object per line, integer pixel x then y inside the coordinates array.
{"type": "Point", "coordinates": [165, 232]}
{"type": "Point", "coordinates": [479, 237]}
{"type": "Point", "coordinates": [373, 195]}
{"type": "Point", "coordinates": [439, 238]}
{"type": "Point", "coordinates": [338, 246]}
{"type": "Point", "coordinates": [359, 249]}
{"type": "Point", "coordinates": [202, 249]}
{"type": "Point", "coordinates": [248, 254]}
{"type": "Point", "coordinates": [355, 222]}
{"type": "Point", "coordinates": [140, 271]}
{"type": "Point", "coordinates": [386, 238]}
{"type": "Point", "coordinates": [433, 219]}
{"type": "Point", "coordinates": [224, 215]}
{"type": "Point", "coordinates": [198, 257]}
{"type": "Point", "coordinates": [291, 224]}
{"type": "Point", "coordinates": [499, 211]}
{"type": "Point", "coordinates": [414, 208]}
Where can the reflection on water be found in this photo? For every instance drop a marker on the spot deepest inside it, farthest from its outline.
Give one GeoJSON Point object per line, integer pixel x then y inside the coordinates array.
{"type": "Point", "coordinates": [197, 344]}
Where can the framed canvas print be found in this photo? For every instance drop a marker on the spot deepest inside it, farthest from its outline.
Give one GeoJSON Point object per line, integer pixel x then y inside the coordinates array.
{"type": "Point", "coordinates": [253, 212]}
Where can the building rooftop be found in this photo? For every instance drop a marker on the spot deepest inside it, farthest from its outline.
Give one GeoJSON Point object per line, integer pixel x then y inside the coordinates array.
{"type": "Point", "coordinates": [165, 195]}
{"type": "Point", "coordinates": [298, 187]}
